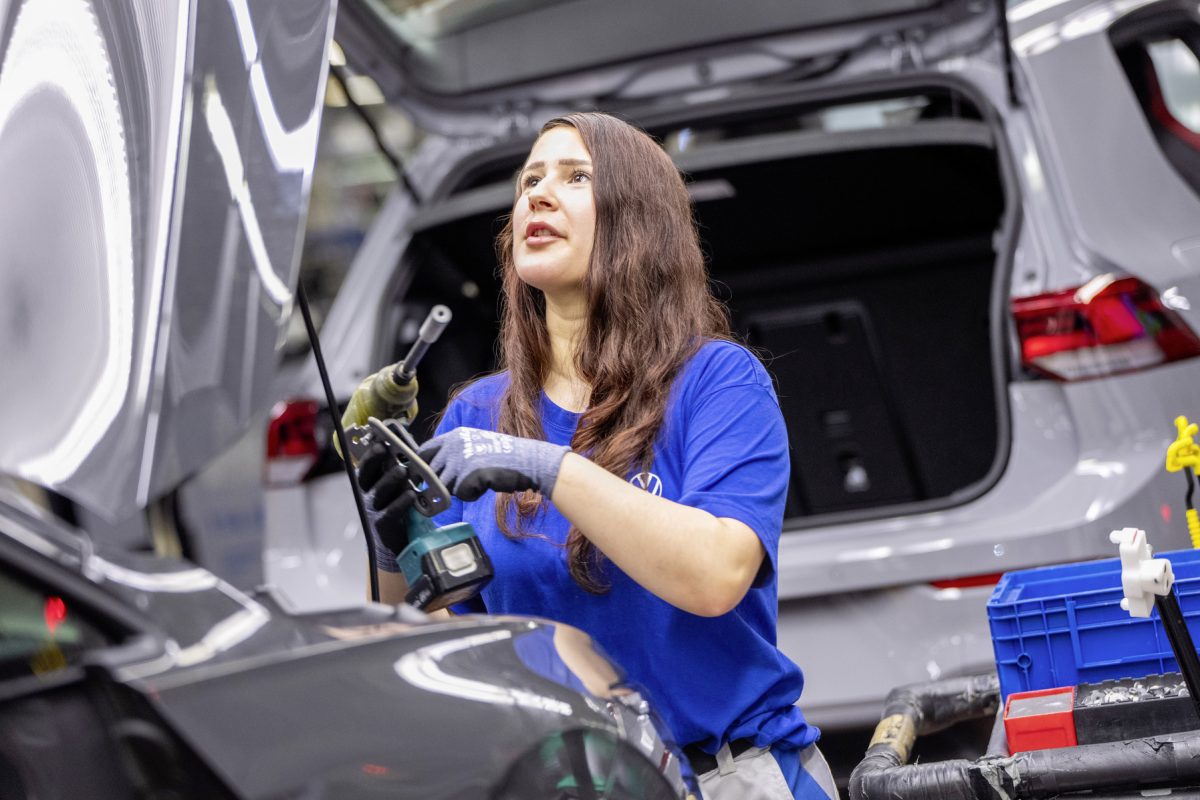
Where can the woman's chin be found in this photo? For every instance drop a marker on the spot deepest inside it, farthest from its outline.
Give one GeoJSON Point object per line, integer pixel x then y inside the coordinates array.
{"type": "Point", "coordinates": [550, 280]}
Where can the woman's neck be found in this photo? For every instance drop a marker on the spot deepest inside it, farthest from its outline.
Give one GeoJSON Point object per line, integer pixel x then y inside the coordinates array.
{"type": "Point", "coordinates": [565, 322]}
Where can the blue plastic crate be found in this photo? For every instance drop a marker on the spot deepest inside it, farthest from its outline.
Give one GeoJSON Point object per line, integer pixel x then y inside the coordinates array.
{"type": "Point", "coordinates": [1063, 625]}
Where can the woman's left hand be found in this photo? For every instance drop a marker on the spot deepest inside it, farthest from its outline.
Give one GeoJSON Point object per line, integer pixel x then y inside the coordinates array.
{"type": "Point", "coordinates": [471, 461]}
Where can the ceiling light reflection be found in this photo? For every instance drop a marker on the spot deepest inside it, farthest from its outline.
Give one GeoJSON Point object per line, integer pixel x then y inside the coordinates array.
{"type": "Point", "coordinates": [422, 669]}
{"type": "Point", "coordinates": [220, 128]}
{"type": "Point", "coordinates": [230, 631]}
{"type": "Point", "coordinates": [290, 150]}
{"type": "Point", "coordinates": [187, 580]}
{"type": "Point", "coordinates": [57, 46]}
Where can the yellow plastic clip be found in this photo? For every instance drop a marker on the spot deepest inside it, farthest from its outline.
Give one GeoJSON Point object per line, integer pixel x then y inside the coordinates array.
{"type": "Point", "coordinates": [1183, 452]}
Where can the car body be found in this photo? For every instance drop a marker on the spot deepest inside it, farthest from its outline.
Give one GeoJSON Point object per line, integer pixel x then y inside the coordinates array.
{"type": "Point", "coordinates": [157, 676]}
{"type": "Point", "coordinates": [155, 162]}
{"type": "Point", "coordinates": [918, 211]}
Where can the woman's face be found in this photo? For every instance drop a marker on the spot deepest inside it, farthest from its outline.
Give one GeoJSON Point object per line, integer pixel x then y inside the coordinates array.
{"type": "Point", "coordinates": [554, 219]}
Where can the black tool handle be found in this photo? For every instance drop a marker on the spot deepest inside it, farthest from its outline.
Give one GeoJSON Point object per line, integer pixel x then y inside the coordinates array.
{"type": "Point", "coordinates": [1181, 643]}
{"type": "Point", "coordinates": [436, 322]}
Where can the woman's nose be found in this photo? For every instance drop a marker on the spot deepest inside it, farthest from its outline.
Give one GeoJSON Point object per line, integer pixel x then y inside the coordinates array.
{"type": "Point", "coordinates": [541, 196]}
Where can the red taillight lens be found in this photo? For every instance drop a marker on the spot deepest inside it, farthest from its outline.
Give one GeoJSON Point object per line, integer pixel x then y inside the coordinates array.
{"type": "Point", "coordinates": [292, 447]}
{"type": "Point", "coordinates": [1107, 326]}
{"type": "Point", "coordinates": [55, 611]}
{"type": "Point", "coordinates": [968, 582]}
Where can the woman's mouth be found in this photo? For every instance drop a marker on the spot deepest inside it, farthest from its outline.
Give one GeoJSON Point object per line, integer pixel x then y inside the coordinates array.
{"type": "Point", "coordinates": [538, 233]}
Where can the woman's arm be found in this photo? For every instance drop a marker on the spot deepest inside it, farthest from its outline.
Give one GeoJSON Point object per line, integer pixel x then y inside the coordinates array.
{"type": "Point", "coordinates": [392, 588]}
{"type": "Point", "coordinates": [700, 552]}
{"type": "Point", "coordinates": [691, 559]}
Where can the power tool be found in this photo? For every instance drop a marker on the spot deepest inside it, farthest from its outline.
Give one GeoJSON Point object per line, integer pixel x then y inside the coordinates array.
{"type": "Point", "coordinates": [444, 565]}
{"type": "Point", "coordinates": [391, 393]}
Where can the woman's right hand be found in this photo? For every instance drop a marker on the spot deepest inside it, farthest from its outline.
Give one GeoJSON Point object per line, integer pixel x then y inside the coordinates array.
{"type": "Point", "coordinates": [388, 496]}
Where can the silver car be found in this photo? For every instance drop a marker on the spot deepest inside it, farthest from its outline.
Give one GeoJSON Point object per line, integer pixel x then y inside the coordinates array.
{"type": "Point", "coordinates": [964, 238]}
{"type": "Point", "coordinates": [155, 164]}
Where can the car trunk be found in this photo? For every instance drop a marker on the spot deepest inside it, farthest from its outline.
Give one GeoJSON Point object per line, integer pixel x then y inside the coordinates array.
{"type": "Point", "coordinates": [862, 266]}
{"type": "Point", "coordinates": [869, 299]}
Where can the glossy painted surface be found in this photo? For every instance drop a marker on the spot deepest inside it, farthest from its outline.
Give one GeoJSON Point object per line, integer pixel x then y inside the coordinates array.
{"type": "Point", "coordinates": [439, 711]}
{"type": "Point", "coordinates": [155, 163]}
{"type": "Point", "coordinates": [352, 703]}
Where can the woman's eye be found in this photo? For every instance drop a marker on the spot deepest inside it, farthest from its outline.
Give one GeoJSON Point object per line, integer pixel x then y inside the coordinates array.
{"type": "Point", "coordinates": [530, 180]}
{"type": "Point", "coordinates": [581, 177]}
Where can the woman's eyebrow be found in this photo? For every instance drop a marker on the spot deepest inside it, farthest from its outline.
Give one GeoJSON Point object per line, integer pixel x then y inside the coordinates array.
{"type": "Point", "coordinates": [562, 162]}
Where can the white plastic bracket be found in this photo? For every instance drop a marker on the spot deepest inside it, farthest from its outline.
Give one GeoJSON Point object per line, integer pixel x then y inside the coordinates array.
{"type": "Point", "coordinates": [1142, 576]}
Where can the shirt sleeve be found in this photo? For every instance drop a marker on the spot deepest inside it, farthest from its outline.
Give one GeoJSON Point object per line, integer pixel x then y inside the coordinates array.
{"type": "Point", "coordinates": [737, 463]}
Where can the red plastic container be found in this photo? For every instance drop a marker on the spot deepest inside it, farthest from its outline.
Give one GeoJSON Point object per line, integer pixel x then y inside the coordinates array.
{"type": "Point", "coordinates": [1041, 719]}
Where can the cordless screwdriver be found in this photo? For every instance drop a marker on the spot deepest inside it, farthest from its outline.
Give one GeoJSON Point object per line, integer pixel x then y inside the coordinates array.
{"type": "Point", "coordinates": [444, 565]}
{"type": "Point", "coordinates": [391, 393]}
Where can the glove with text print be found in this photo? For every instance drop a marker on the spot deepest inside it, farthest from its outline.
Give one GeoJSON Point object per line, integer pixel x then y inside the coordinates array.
{"type": "Point", "coordinates": [471, 461]}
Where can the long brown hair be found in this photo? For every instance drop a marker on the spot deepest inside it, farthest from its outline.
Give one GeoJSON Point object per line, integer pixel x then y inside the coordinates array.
{"type": "Point", "coordinates": [649, 309]}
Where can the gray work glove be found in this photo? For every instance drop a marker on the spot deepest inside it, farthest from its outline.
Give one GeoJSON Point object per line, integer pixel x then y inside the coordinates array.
{"type": "Point", "coordinates": [388, 496]}
{"type": "Point", "coordinates": [471, 461]}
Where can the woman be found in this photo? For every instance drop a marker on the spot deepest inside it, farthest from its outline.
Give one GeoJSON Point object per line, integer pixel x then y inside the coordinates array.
{"type": "Point", "coordinates": [627, 469]}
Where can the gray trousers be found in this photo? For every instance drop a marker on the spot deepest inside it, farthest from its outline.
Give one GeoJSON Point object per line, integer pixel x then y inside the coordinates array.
{"type": "Point", "coordinates": [755, 775]}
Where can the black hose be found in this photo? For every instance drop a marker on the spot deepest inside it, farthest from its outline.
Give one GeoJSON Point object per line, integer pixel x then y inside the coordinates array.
{"type": "Point", "coordinates": [937, 705]}
{"type": "Point", "coordinates": [1168, 761]}
{"type": "Point", "coordinates": [911, 711]}
{"type": "Point", "coordinates": [935, 780]}
{"type": "Point", "coordinates": [1154, 762]}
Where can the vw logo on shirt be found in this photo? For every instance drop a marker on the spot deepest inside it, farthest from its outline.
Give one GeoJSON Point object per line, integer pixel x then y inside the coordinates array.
{"type": "Point", "coordinates": [648, 481]}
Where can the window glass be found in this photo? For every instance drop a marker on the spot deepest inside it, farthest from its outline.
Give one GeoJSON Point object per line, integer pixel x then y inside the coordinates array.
{"type": "Point", "coordinates": [1164, 72]}
{"type": "Point", "coordinates": [1178, 72]}
{"type": "Point", "coordinates": [41, 633]}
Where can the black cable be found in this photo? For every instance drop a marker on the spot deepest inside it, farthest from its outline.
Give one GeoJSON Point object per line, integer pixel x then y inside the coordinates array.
{"type": "Point", "coordinates": [338, 74]}
{"type": "Point", "coordinates": [1191, 481]}
{"type": "Point", "coordinates": [331, 402]}
{"type": "Point", "coordinates": [1181, 643]}
{"type": "Point", "coordinates": [1006, 44]}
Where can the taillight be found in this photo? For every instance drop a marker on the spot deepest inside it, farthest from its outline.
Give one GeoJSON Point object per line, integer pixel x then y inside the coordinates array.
{"type": "Point", "coordinates": [292, 447]}
{"type": "Point", "coordinates": [1107, 326]}
{"type": "Point", "coordinates": [968, 582]}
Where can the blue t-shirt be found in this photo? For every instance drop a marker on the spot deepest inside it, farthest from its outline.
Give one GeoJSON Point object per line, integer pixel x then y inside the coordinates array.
{"type": "Point", "coordinates": [722, 448]}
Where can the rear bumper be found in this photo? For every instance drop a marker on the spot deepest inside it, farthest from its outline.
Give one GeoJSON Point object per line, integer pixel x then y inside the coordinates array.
{"type": "Point", "coordinates": [1086, 458]}
{"type": "Point", "coordinates": [855, 648]}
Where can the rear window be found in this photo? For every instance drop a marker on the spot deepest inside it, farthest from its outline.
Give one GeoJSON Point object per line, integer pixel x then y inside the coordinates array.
{"type": "Point", "coordinates": [1163, 66]}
